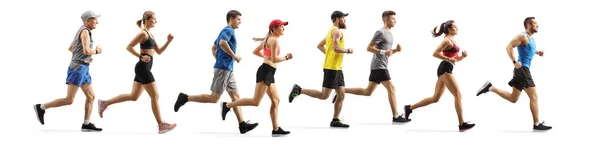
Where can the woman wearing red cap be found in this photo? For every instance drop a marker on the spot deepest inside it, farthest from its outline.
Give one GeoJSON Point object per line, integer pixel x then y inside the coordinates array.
{"type": "Point", "coordinates": [265, 80]}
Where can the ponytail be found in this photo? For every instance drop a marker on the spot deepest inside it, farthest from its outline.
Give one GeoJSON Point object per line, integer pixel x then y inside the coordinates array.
{"type": "Point", "coordinates": [139, 23]}
{"type": "Point", "coordinates": [443, 28]}
{"type": "Point", "coordinates": [438, 33]}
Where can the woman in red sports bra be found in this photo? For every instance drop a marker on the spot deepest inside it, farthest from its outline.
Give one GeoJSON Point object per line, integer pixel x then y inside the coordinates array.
{"type": "Point", "coordinates": [448, 53]}
{"type": "Point", "coordinates": [265, 80]}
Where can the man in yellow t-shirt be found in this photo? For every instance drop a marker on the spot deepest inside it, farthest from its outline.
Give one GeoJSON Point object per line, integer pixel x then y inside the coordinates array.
{"type": "Point", "coordinates": [333, 48]}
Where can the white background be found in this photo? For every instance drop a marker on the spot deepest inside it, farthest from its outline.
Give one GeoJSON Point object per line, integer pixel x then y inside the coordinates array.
{"type": "Point", "coordinates": [35, 36]}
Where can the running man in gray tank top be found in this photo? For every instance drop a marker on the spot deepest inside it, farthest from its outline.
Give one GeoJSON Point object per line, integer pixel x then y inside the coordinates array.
{"type": "Point", "coordinates": [78, 75]}
{"type": "Point", "coordinates": [381, 47]}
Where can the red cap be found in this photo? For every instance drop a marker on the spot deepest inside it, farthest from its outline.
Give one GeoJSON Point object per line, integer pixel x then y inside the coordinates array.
{"type": "Point", "coordinates": [277, 23]}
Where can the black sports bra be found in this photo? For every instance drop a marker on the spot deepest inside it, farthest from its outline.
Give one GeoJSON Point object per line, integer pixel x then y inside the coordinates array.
{"type": "Point", "coordinates": [149, 44]}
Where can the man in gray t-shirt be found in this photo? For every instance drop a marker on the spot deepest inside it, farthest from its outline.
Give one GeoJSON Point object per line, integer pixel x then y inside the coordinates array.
{"type": "Point", "coordinates": [78, 76]}
{"type": "Point", "coordinates": [381, 47]}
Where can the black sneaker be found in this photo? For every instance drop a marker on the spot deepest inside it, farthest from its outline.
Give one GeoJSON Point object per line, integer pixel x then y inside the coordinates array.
{"type": "Point", "coordinates": [181, 99]}
{"type": "Point", "coordinates": [337, 123]}
{"type": "Point", "coordinates": [39, 112]}
{"type": "Point", "coordinates": [224, 110]}
{"type": "Point", "coordinates": [485, 88]}
{"type": "Point", "coordinates": [465, 126]}
{"type": "Point", "coordinates": [295, 92]}
{"type": "Point", "coordinates": [279, 132]}
{"type": "Point", "coordinates": [90, 127]}
{"type": "Point", "coordinates": [400, 119]}
{"type": "Point", "coordinates": [541, 127]}
{"type": "Point", "coordinates": [334, 98]}
{"type": "Point", "coordinates": [247, 126]}
{"type": "Point", "coordinates": [407, 111]}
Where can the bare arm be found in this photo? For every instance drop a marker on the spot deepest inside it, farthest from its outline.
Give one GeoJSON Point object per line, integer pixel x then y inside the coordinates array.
{"type": "Point", "coordinates": [371, 48]}
{"type": "Point", "coordinates": [257, 50]}
{"type": "Point", "coordinates": [160, 50]}
{"type": "Point", "coordinates": [225, 47]}
{"type": "Point", "coordinates": [85, 41]}
{"type": "Point", "coordinates": [214, 50]}
{"type": "Point", "coordinates": [337, 35]}
{"type": "Point", "coordinates": [321, 45]}
{"type": "Point", "coordinates": [136, 40]}
{"type": "Point", "coordinates": [71, 47]}
{"type": "Point", "coordinates": [438, 51]}
{"type": "Point", "coordinates": [516, 41]}
{"type": "Point", "coordinates": [273, 48]}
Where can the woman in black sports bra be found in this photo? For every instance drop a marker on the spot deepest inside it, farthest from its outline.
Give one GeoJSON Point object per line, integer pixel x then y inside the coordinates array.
{"type": "Point", "coordinates": [144, 80]}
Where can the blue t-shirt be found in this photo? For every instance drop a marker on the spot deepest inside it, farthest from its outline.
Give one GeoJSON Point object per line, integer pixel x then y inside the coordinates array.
{"type": "Point", "coordinates": [224, 61]}
{"type": "Point", "coordinates": [526, 52]}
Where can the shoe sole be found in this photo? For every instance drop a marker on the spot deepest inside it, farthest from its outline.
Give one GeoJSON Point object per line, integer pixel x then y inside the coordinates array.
{"type": "Point", "coordinates": [537, 130]}
{"type": "Point", "coordinates": [279, 135]}
{"type": "Point", "coordinates": [165, 131]}
{"type": "Point", "coordinates": [90, 130]}
{"type": "Point", "coordinates": [483, 87]}
{"type": "Point", "coordinates": [37, 114]}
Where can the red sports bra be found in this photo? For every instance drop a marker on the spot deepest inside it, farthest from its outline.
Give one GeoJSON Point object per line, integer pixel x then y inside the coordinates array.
{"type": "Point", "coordinates": [452, 52]}
{"type": "Point", "coordinates": [266, 51]}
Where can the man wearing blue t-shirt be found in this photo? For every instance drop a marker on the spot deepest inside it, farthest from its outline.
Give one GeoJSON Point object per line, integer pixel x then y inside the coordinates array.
{"type": "Point", "coordinates": [522, 79]}
{"type": "Point", "coordinates": [224, 51]}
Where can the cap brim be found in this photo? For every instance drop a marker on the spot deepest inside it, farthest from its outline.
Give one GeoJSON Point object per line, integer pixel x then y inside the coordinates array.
{"type": "Point", "coordinates": [346, 14]}
{"type": "Point", "coordinates": [285, 23]}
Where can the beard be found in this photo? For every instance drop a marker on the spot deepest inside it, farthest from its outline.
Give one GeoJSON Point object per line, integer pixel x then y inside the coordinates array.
{"type": "Point", "coordinates": [342, 26]}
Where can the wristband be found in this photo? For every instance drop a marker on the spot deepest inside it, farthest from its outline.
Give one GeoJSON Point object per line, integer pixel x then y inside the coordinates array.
{"type": "Point", "coordinates": [96, 51]}
{"type": "Point", "coordinates": [382, 52]}
{"type": "Point", "coordinates": [514, 62]}
{"type": "Point", "coordinates": [286, 58]}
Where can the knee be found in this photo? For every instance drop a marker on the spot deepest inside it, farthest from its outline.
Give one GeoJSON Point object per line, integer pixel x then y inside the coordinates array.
{"type": "Point", "coordinates": [134, 97]}
{"type": "Point", "coordinates": [457, 96]}
{"type": "Point", "coordinates": [340, 98]}
{"type": "Point", "coordinates": [68, 101]}
{"type": "Point", "coordinates": [154, 98]}
{"type": "Point", "coordinates": [215, 99]}
{"type": "Point", "coordinates": [435, 99]}
{"type": "Point", "coordinates": [367, 93]}
{"type": "Point", "coordinates": [90, 98]}
{"type": "Point", "coordinates": [533, 98]}
{"type": "Point", "coordinates": [274, 103]}
{"type": "Point", "coordinates": [255, 102]}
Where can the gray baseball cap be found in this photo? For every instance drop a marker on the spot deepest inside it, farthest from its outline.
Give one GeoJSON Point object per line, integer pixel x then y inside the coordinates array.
{"type": "Point", "coordinates": [89, 14]}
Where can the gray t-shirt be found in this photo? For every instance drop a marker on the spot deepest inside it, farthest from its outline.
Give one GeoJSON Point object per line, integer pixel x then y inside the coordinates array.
{"type": "Point", "coordinates": [384, 40]}
{"type": "Point", "coordinates": [79, 57]}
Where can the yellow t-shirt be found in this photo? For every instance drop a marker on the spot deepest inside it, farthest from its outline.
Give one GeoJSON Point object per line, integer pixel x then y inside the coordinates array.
{"type": "Point", "coordinates": [333, 60]}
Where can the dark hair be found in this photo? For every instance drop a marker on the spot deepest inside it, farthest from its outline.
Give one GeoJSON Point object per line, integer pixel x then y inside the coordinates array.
{"type": "Point", "coordinates": [443, 28]}
{"type": "Point", "coordinates": [147, 15]}
{"type": "Point", "coordinates": [387, 13]}
{"type": "Point", "coordinates": [527, 21]}
{"type": "Point", "coordinates": [232, 14]}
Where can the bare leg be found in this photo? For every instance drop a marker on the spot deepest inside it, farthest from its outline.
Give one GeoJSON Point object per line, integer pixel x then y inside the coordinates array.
{"type": "Point", "coordinates": [153, 93]}
{"type": "Point", "coordinates": [340, 92]}
{"type": "Point", "coordinates": [259, 93]}
{"type": "Point", "coordinates": [455, 90]}
{"type": "Point", "coordinates": [89, 101]}
{"type": "Point", "coordinates": [511, 97]}
{"type": "Point", "coordinates": [71, 92]}
{"type": "Point", "coordinates": [440, 87]}
{"type": "Point", "coordinates": [272, 93]}
{"type": "Point", "coordinates": [533, 105]}
{"type": "Point", "coordinates": [205, 98]}
{"type": "Point", "coordinates": [363, 91]}
{"type": "Point", "coordinates": [136, 91]}
{"type": "Point", "coordinates": [323, 94]}
{"type": "Point", "coordinates": [391, 89]}
{"type": "Point", "coordinates": [237, 110]}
